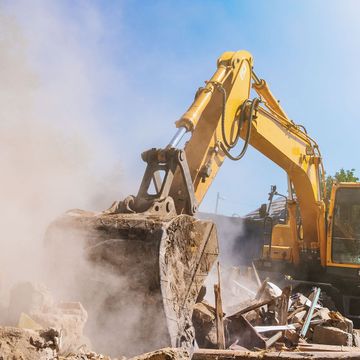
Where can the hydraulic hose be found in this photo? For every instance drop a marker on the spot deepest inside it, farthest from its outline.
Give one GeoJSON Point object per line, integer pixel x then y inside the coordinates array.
{"type": "Point", "coordinates": [227, 145]}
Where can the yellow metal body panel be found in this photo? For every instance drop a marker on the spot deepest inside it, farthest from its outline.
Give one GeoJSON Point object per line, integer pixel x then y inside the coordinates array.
{"type": "Point", "coordinates": [288, 147]}
{"type": "Point", "coordinates": [278, 252]}
{"type": "Point", "coordinates": [281, 234]}
{"type": "Point", "coordinates": [285, 235]}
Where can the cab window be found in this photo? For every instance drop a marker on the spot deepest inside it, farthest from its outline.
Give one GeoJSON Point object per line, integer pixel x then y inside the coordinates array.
{"type": "Point", "coordinates": [346, 226]}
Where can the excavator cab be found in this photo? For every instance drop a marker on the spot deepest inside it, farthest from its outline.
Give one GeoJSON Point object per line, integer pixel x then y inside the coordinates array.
{"type": "Point", "coordinates": [343, 248]}
{"type": "Point", "coordinates": [344, 226]}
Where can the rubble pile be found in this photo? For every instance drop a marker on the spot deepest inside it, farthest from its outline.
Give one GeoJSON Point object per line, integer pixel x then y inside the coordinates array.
{"type": "Point", "coordinates": [268, 323]}
{"type": "Point", "coordinates": [33, 307]}
{"type": "Point", "coordinates": [20, 344]}
{"type": "Point", "coordinates": [275, 320]}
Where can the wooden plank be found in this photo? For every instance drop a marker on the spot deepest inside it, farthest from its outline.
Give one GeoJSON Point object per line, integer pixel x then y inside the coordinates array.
{"type": "Point", "coordinates": [261, 289]}
{"type": "Point", "coordinates": [271, 341]}
{"type": "Point", "coordinates": [282, 355]}
{"type": "Point", "coordinates": [219, 318]}
{"type": "Point", "coordinates": [256, 274]}
{"type": "Point", "coordinates": [219, 315]}
{"type": "Point", "coordinates": [209, 354]}
{"type": "Point", "coordinates": [299, 309]}
{"type": "Point", "coordinates": [254, 306]}
{"type": "Point", "coordinates": [322, 347]}
{"type": "Point", "coordinates": [284, 305]}
{"type": "Point", "coordinates": [242, 333]}
{"type": "Point", "coordinates": [266, 328]}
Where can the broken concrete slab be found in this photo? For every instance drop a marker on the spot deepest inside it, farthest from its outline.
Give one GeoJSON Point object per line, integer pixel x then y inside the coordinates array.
{"type": "Point", "coordinates": [340, 321]}
{"type": "Point", "coordinates": [356, 337]}
{"type": "Point", "coordinates": [331, 336]}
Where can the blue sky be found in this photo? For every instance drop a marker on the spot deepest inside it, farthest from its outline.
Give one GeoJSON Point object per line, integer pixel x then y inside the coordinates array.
{"type": "Point", "coordinates": [149, 57]}
{"type": "Point", "coordinates": [307, 51]}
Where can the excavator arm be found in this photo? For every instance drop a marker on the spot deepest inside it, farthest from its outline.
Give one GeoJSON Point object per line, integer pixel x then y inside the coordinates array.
{"type": "Point", "coordinates": [221, 114]}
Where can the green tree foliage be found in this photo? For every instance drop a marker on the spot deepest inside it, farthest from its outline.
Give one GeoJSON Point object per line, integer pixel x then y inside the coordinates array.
{"type": "Point", "coordinates": [340, 176]}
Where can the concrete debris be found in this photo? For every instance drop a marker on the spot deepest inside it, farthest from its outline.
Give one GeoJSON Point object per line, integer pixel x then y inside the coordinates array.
{"type": "Point", "coordinates": [331, 336]}
{"type": "Point", "coordinates": [276, 319]}
{"type": "Point", "coordinates": [339, 321]}
{"type": "Point", "coordinates": [32, 306]}
{"type": "Point", "coordinates": [356, 337]}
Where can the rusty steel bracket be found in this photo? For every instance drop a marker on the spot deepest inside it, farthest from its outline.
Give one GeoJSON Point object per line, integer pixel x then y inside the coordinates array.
{"type": "Point", "coordinates": [153, 195]}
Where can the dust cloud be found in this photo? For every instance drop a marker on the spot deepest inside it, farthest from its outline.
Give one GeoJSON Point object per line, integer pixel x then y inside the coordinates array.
{"type": "Point", "coordinates": [54, 156]}
{"type": "Point", "coordinates": [53, 153]}
{"type": "Point", "coordinates": [236, 252]}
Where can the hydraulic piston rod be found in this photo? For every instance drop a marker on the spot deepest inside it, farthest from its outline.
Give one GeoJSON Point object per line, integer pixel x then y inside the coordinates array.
{"type": "Point", "coordinates": [177, 137]}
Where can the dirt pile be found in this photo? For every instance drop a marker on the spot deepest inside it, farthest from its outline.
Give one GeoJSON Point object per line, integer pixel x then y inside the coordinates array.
{"type": "Point", "coordinates": [16, 343]}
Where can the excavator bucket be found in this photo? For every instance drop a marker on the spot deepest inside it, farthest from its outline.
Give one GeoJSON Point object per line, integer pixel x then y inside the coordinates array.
{"type": "Point", "coordinates": [160, 266]}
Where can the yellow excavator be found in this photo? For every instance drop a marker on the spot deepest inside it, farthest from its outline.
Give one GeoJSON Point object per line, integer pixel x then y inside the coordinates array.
{"type": "Point", "coordinates": [155, 242]}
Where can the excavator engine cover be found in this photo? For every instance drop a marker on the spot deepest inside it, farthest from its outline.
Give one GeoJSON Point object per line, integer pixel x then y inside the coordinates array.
{"type": "Point", "coordinates": [161, 264]}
